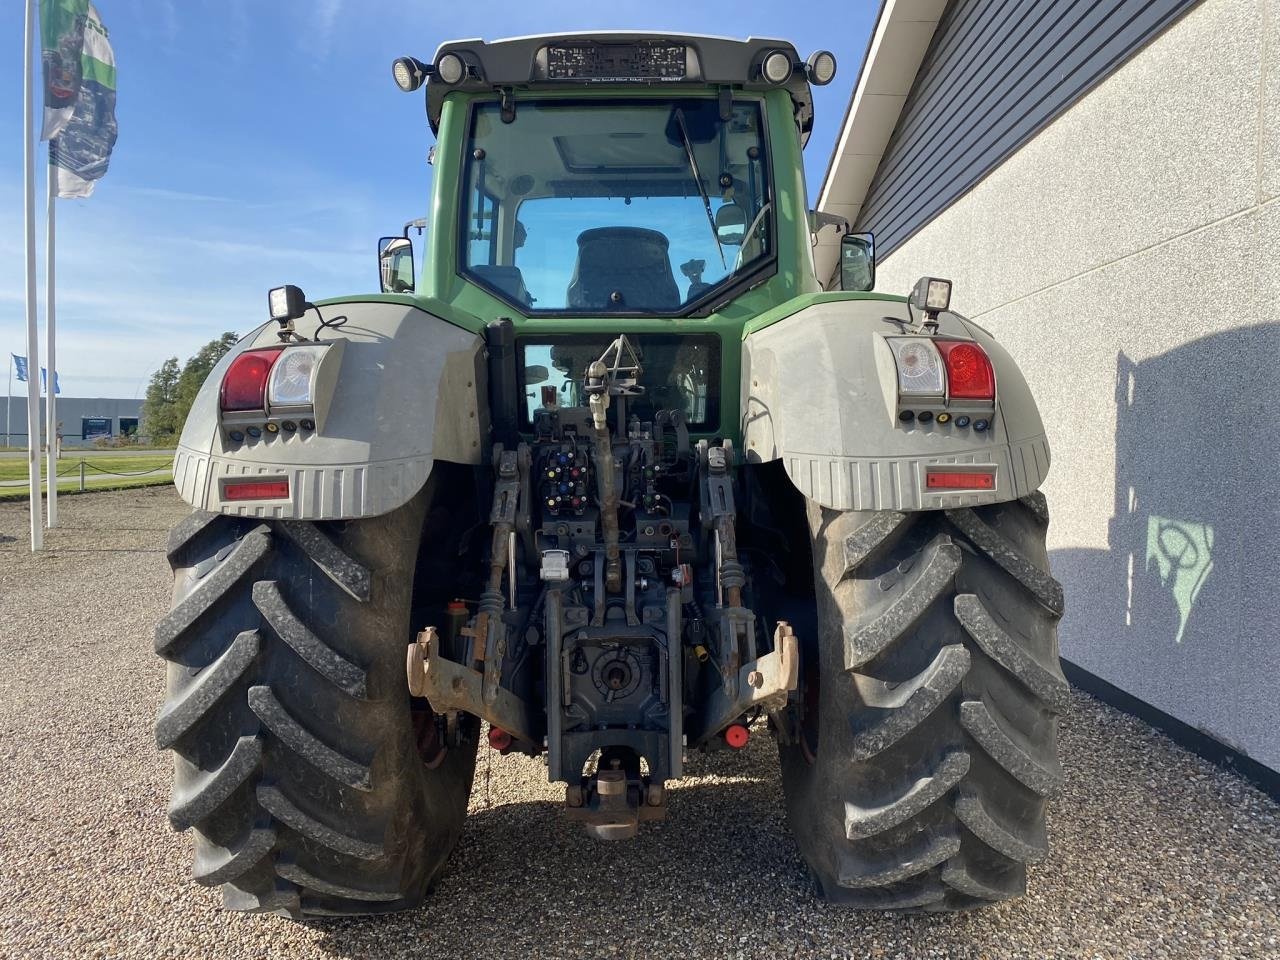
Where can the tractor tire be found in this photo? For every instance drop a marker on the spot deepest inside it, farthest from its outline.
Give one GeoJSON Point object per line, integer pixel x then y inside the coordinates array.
{"type": "Point", "coordinates": [298, 752]}
{"type": "Point", "coordinates": [930, 701]}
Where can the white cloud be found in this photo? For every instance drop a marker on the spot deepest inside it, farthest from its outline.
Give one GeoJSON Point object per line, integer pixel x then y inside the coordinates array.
{"type": "Point", "coordinates": [326, 13]}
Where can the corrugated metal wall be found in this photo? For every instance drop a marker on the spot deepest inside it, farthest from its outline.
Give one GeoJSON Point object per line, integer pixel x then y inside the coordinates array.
{"type": "Point", "coordinates": [996, 72]}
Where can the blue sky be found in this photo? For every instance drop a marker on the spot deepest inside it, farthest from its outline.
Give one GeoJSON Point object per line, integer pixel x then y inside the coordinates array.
{"type": "Point", "coordinates": [263, 142]}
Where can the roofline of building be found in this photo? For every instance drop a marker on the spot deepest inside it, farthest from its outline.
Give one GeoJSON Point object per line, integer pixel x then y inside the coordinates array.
{"type": "Point", "coordinates": [895, 50]}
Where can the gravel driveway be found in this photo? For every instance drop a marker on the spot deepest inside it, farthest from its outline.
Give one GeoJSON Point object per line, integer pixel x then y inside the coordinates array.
{"type": "Point", "coordinates": [1154, 852]}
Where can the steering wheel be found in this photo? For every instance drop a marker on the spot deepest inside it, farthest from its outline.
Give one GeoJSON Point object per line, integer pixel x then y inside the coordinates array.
{"type": "Point", "coordinates": [749, 238]}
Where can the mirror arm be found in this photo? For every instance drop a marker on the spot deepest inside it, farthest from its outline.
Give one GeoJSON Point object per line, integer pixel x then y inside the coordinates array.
{"type": "Point", "coordinates": [821, 218]}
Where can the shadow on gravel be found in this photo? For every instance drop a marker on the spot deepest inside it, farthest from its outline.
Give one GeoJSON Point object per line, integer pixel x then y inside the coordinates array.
{"type": "Point", "coordinates": [1140, 827]}
{"type": "Point", "coordinates": [722, 869]}
{"type": "Point", "coordinates": [523, 875]}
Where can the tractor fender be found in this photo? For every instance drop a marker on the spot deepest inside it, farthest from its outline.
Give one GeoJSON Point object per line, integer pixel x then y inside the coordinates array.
{"type": "Point", "coordinates": [819, 393]}
{"type": "Point", "coordinates": [406, 393]}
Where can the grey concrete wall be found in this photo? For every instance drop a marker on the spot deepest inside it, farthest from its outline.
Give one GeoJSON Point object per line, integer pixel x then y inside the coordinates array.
{"type": "Point", "coordinates": [70, 410]}
{"type": "Point", "coordinates": [1129, 257]}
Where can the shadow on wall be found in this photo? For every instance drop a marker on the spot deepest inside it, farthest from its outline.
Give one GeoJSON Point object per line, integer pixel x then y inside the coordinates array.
{"type": "Point", "coordinates": [1183, 610]}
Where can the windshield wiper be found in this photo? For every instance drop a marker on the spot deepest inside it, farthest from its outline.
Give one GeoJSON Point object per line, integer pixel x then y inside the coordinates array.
{"type": "Point", "coordinates": [697, 175]}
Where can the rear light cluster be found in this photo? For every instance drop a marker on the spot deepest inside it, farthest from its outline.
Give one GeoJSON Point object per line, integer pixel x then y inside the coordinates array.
{"type": "Point", "coordinates": [943, 369]}
{"type": "Point", "coordinates": [272, 377]}
{"type": "Point", "coordinates": [943, 381]}
{"type": "Point", "coordinates": [278, 390]}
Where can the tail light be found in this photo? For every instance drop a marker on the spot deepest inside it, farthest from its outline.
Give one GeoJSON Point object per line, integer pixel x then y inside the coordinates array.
{"type": "Point", "coordinates": [244, 385]}
{"type": "Point", "coordinates": [969, 372]}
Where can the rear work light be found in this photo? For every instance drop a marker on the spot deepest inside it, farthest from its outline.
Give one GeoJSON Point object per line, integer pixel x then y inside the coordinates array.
{"type": "Point", "coordinates": [244, 385]}
{"type": "Point", "coordinates": [255, 490]}
{"type": "Point", "coordinates": [969, 372]}
{"type": "Point", "coordinates": [960, 480]}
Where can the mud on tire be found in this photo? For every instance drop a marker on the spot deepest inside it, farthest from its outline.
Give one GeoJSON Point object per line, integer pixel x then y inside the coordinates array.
{"type": "Point", "coordinates": [930, 739]}
{"type": "Point", "coordinates": [296, 763]}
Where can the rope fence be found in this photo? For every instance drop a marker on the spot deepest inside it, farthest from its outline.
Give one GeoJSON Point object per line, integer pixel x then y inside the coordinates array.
{"type": "Point", "coordinates": [84, 465]}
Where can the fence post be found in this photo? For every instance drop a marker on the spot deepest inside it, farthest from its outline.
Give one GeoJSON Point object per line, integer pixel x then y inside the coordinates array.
{"type": "Point", "coordinates": [82, 475]}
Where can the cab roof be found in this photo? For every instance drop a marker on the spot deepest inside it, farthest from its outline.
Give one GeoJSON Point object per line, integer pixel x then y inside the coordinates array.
{"type": "Point", "coordinates": [660, 60]}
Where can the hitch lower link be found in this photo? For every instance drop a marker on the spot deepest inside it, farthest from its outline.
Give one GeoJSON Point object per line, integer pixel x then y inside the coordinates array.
{"type": "Point", "coordinates": [450, 687]}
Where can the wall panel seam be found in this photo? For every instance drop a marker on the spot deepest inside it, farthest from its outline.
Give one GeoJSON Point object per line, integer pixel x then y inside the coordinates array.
{"type": "Point", "coordinates": [1191, 231]}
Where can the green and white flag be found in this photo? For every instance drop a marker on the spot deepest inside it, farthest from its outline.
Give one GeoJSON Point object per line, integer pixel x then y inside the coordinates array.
{"type": "Point", "coordinates": [62, 25]}
{"type": "Point", "coordinates": [82, 150]}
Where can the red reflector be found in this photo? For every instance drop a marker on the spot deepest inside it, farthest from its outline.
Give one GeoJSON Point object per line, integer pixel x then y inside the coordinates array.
{"type": "Point", "coordinates": [736, 736]}
{"type": "Point", "coordinates": [244, 384]}
{"type": "Point", "coordinates": [499, 739]}
{"type": "Point", "coordinates": [256, 490]}
{"type": "Point", "coordinates": [959, 480]}
{"type": "Point", "coordinates": [969, 373]}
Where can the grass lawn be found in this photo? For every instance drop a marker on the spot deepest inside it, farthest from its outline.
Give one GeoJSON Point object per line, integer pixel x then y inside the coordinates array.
{"type": "Point", "coordinates": [69, 488]}
{"type": "Point", "coordinates": [96, 465]}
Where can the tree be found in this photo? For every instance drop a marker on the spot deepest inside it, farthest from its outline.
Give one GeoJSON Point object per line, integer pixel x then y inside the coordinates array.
{"type": "Point", "coordinates": [197, 371]}
{"type": "Point", "coordinates": [159, 409]}
{"type": "Point", "coordinates": [172, 391]}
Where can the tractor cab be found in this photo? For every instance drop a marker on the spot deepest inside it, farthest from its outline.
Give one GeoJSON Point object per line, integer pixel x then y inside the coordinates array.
{"type": "Point", "coordinates": [617, 175]}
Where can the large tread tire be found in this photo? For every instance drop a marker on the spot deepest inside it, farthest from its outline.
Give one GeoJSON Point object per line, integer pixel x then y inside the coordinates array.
{"type": "Point", "coordinates": [296, 761]}
{"type": "Point", "coordinates": [929, 744]}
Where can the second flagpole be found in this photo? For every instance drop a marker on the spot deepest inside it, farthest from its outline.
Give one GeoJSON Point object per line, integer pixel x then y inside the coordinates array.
{"type": "Point", "coordinates": [33, 335]}
{"type": "Point", "coordinates": [50, 320]}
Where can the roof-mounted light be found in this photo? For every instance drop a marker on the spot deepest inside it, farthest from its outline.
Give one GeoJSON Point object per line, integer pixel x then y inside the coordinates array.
{"type": "Point", "coordinates": [777, 67]}
{"type": "Point", "coordinates": [820, 68]}
{"type": "Point", "coordinates": [451, 69]}
{"type": "Point", "coordinates": [409, 73]}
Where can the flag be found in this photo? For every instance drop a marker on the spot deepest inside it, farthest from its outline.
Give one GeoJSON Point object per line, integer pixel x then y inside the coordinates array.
{"type": "Point", "coordinates": [80, 153]}
{"type": "Point", "coordinates": [62, 24]}
{"type": "Point", "coordinates": [20, 364]}
{"type": "Point", "coordinates": [44, 380]}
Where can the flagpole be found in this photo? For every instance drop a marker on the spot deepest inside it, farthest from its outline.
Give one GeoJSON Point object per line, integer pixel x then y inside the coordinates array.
{"type": "Point", "coordinates": [33, 337]}
{"type": "Point", "coordinates": [50, 319]}
{"type": "Point", "coordinates": [8, 406]}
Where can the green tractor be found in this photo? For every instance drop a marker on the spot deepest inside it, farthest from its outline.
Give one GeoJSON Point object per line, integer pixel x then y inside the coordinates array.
{"type": "Point", "coordinates": [614, 475]}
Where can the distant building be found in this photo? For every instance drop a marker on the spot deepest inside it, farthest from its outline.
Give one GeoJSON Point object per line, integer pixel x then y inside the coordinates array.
{"type": "Point", "coordinates": [82, 419]}
{"type": "Point", "coordinates": [1101, 182]}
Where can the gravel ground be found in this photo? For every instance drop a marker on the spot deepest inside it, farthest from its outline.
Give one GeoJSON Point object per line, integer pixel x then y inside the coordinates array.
{"type": "Point", "coordinates": [1154, 852]}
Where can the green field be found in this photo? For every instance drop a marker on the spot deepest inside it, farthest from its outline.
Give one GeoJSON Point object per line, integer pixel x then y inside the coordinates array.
{"type": "Point", "coordinates": [95, 465]}
{"type": "Point", "coordinates": [103, 471]}
{"type": "Point", "coordinates": [90, 486]}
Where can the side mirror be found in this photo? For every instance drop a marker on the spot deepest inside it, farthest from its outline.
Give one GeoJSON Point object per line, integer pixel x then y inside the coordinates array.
{"type": "Point", "coordinates": [534, 375]}
{"type": "Point", "coordinates": [731, 224]}
{"type": "Point", "coordinates": [395, 264]}
{"type": "Point", "coordinates": [857, 261]}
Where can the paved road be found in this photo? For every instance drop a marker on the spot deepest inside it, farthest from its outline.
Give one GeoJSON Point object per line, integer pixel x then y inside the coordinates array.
{"type": "Point", "coordinates": [1154, 852]}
